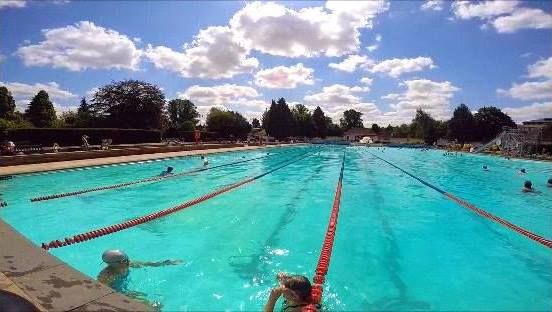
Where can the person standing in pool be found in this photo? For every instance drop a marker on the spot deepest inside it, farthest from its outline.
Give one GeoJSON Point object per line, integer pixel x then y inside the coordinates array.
{"type": "Point", "coordinates": [295, 289]}
{"type": "Point", "coordinates": [527, 187]}
{"type": "Point", "coordinates": [115, 275]}
{"type": "Point", "coordinates": [205, 160]}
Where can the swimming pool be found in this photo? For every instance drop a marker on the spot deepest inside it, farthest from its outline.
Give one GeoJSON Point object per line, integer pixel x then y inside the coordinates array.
{"type": "Point", "coordinates": [399, 244]}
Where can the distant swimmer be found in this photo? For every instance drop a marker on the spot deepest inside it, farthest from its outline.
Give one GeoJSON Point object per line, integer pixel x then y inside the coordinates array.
{"type": "Point", "coordinates": [549, 184]}
{"type": "Point", "coordinates": [167, 172]}
{"type": "Point", "coordinates": [522, 171]}
{"type": "Point", "coordinates": [116, 274]}
{"type": "Point", "coordinates": [205, 160]}
{"type": "Point", "coordinates": [485, 168]}
{"type": "Point", "coordinates": [295, 290]}
{"type": "Point", "coordinates": [527, 187]}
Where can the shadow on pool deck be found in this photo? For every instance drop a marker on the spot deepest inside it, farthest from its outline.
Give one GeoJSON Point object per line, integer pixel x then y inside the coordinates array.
{"type": "Point", "coordinates": [50, 284]}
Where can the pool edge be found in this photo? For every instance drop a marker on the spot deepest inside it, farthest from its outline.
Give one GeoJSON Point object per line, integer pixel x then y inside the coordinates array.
{"type": "Point", "coordinates": [51, 284]}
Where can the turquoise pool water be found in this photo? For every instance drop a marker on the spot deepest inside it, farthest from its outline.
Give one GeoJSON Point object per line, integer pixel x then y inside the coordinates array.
{"type": "Point", "coordinates": [399, 244]}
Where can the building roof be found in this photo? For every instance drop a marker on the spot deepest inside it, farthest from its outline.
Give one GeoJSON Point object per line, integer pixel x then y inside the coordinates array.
{"type": "Point", "coordinates": [542, 121]}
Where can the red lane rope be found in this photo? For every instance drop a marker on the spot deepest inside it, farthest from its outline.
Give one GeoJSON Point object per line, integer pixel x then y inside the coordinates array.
{"type": "Point", "coordinates": [158, 178]}
{"type": "Point", "coordinates": [326, 250]}
{"type": "Point", "coordinates": [78, 238]}
{"type": "Point", "coordinates": [537, 238]}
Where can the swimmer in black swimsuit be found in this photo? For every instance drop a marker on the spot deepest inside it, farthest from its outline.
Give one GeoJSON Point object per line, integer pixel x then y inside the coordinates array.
{"type": "Point", "coordinates": [295, 289]}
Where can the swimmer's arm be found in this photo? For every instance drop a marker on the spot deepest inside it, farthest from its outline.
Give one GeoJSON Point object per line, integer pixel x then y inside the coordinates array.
{"type": "Point", "coordinates": [141, 264]}
{"type": "Point", "coordinates": [275, 293]}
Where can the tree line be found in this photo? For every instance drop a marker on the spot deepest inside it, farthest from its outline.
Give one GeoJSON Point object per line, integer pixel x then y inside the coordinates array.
{"type": "Point", "coordinates": [134, 104]}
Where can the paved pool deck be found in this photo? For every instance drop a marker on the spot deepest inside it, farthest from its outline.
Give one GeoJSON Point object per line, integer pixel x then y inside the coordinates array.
{"type": "Point", "coordinates": [11, 170]}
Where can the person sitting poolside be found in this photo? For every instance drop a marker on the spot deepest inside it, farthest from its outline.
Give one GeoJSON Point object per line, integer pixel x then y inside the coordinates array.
{"type": "Point", "coordinates": [295, 289]}
{"type": "Point", "coordinates": [167, 172]}
{"type": "Point", "coordinates": [549, 184]}
{"type": "Point", "coordinates": [485, 168]}
{"type": "Point", "coordinates": [205, 160]}
{"type": "Point", "coordinates": [527, 187]}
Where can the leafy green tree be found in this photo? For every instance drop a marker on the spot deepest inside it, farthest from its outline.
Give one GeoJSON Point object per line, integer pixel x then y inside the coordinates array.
{"type": "Point", "coordinates": [303, 121]}
{"type": "Point", "coordinates": [333, 129]}
{"type": "Point", "coordinates": [425, 127]}
{"type": "Point", "coordinates": [376, 128]}
{"type": "Point", "coordinates": [490, 121]}
{"type": "Point", "coordinates": [278, 120]}
{"type": "Point", "coordinates": [183, 114]}
{"type": "Point", "coordinates": [255, 123]}
{"type": "Point", "coordinates": [84, 115]}
{"type": "Point", "coordinates": [227, 123]}
{"type": "Point", "coordinates": [319, 122]}
{"type": "Point", "coordinates": [351, 119]}
{"type": "Point", "coordinates": [129, 104]}
{"type": "Point", "coordinates": [69, 119]}
{"type": "Point", "coordinates": [389, 129]}
{"type": "Point", "coordinates": [41, 112]}
{"type": "Point", "coordinates": [7, 104]}
{"type": "Point", "coordinates": [401, 131]}
{"type": "Point", "coordinates": [462, 124]}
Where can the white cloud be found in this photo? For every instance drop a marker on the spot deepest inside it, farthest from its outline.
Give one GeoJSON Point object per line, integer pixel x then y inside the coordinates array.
{"type": "Point", "coordinates": [12, 4]}
{"type": "Point", "coordinates": [373, 47]}
{"type": "Point", "coordinates": [531, 90]}
{"type": "Point", "coordinates": [366, 81]}
{"type": "Point", "coordinates": [23, 93]}
{"type": "Point", "coordinates": [542, 68]}
{"type": "Point", "coordinates": [433, 97]}
{"type": "Point", "coordinates": [528, 112]}
{"type": "Point", "coordinates": [397, 67]}
{"type": "Point", "coordinates": [352, 62]}
{"type": "Point", "coordinates": [333, 95]}
{"type": "Point", "coordinates": [285, 77]}
{"type": "Point", "coordinates": [333, 30]}
{"type": "Point", "coordinates": [227, 96]}
{"type": "Point", "coordinates": [523, 18]}
{"type": "Point", "coordinates": [82, 46]}
{"type": "Point", "coordinates": [217, 95]}
{"type": "Point", "coordinates": [215, 53]}
{"type": "Point", "coordinates": [27, 91]}
{"type": "Point", "coordinates": [483, 9]}
{"type": "Point", "coordinates": [434, 5]}
{"type": "Point", "coordinates": [505, 16]}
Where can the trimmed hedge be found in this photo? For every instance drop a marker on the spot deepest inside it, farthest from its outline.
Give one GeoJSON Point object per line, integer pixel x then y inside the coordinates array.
{"type": "Point", "coordinates": [73, 136]}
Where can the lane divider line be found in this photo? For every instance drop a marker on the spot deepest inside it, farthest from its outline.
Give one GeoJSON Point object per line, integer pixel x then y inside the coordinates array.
{"type": "Point", "coordinates": [78, 238]}
{"type": "Point", "coordinates": [152, 179]}
{"type": "Point", "coordinates": [327, 247]}
{"type": "Point", "coordinates": [537, 238]}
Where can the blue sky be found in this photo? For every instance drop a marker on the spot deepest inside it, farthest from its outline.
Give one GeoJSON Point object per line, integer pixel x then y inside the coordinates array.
{"type": "Point", "coordinates": [382, 58]}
